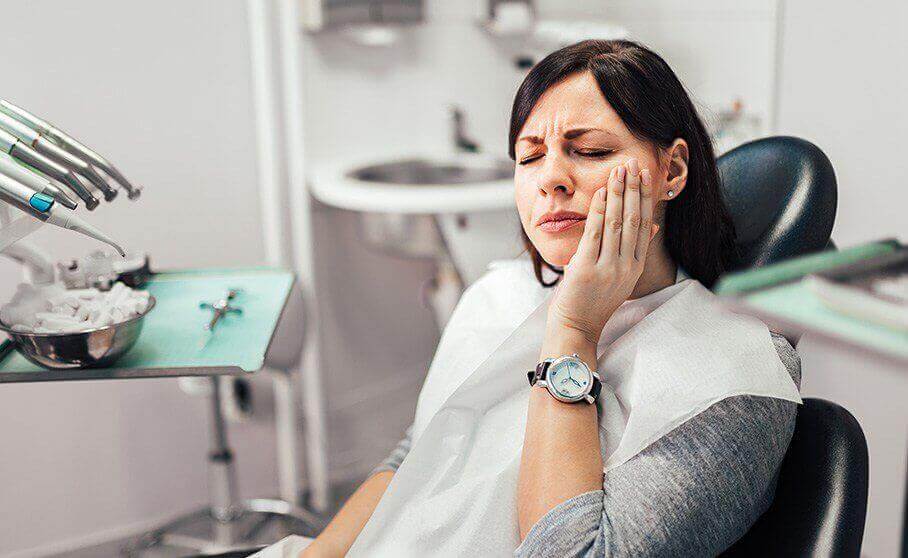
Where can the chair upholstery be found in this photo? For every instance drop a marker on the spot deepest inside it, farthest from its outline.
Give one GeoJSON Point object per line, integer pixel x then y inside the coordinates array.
{"type": "Point", "coordinates": [821, 497]}
{"type": "Point", "coordinates": [781, 192]}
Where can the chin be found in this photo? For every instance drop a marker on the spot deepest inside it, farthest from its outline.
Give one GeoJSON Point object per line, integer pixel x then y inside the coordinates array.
{"type": "Point", "coordinates": [558, 253]}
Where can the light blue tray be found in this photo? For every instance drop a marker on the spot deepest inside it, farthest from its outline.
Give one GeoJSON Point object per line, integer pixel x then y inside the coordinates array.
{"type": "Point", "coordinates": [777, 294]}
{"type": "Point", "coordinates": [173, 336]}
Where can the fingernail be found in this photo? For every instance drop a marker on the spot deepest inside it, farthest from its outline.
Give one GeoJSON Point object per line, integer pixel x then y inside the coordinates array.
{"type": "Point", "coordinates": [632, 166]}
{"type": "Point", "coordinates": [655, 230]}
{"type": "Point", "coordinates": [621, 173]}
{"type": "Point", "coordinates": [601, 193]}
{"type": "Point", "coordinates": [645, 176]}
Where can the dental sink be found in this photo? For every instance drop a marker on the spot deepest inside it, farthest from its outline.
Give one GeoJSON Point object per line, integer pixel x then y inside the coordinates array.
{"type": "Point", "coordinates": [457, 209]}
{"type": "Point", "coordinates": [426, 172]}
{"type": "Point", "coordinates": [418, 184]}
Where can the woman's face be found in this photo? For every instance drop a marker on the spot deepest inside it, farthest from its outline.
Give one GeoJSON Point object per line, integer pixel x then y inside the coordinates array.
{"type": "Point", "coordinates": [564, 153]}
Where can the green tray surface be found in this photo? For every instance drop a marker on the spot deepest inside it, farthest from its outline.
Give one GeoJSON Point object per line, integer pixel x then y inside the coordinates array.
{"type": "Point", "coordinates": [777, 290]}
{"type": "Point", "coordinates": [173, 334]}
{"type": "Point", "coordinates": [795, 303]}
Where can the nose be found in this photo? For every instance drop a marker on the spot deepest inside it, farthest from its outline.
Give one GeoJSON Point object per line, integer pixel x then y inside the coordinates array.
{"type": "Point", "coordinates": [555, 176]}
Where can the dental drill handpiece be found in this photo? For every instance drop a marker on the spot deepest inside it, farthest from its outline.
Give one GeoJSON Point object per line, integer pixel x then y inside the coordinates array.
{"type": "Point", "coordinates": [70, 144]}
{"type": "Point", "coordinates": [54, 152]}
{"type": "Point", "coordinates": [11, 145]}
{"type": "Point", "coordinates": [33, 180]}
{"type": "Point", "coordinates": [43, 207]}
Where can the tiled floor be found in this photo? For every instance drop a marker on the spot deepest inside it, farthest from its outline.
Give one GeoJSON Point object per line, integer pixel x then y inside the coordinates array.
{"type": "Point", "coordinates": [273, 532]}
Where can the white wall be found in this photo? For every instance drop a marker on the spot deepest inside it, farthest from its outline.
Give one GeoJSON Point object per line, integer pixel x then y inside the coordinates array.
{"type": "Point", "coordinates": [720, 50]}
{"type": "Point", "coordinates": [843, 83]}
{"type": "Point", "coordinates": [163, 89]}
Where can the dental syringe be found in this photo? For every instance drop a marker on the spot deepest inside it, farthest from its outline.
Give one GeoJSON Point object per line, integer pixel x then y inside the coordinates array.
{"type": "Point", "coordinates": [69, 143]}
{"type": "Point", "coordinates": [43, 207]}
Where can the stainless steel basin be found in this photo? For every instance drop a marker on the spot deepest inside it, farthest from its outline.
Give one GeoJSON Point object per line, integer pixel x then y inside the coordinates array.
{"type": "Point", "coordinates": [92, 348]}
{"type": "Point", "coordinates": [428, 172]}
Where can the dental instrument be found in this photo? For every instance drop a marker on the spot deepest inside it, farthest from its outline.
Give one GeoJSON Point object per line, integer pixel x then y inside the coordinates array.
{"type": "Point", "coordinates": [70, 144]}
{"type": "Point", "coordinates": [221, 308]}
{"type": "Point", "coordinates": [17, 172]}
{"type": "Point", "coordinates": [42, 206]}
{"type": "Point", "coordinates": [18, 150]}
{"type": "Point", "coordinates": [51, 150]}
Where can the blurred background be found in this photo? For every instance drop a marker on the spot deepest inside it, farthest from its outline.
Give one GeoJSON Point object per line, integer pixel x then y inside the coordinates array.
{"type": "Point", "coordinates": [261, 130]}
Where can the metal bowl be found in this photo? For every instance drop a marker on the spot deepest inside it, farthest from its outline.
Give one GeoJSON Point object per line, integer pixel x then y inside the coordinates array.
{"type": "Point", "coordinates": [93, 348]}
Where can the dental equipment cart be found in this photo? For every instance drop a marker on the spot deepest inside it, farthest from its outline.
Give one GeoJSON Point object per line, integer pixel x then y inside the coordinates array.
{"type": "Point", "coordinates": [175, 343]}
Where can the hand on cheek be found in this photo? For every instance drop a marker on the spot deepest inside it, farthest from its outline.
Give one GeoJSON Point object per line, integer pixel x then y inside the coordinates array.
{"type": "Point", "coordinates": [611, 254]}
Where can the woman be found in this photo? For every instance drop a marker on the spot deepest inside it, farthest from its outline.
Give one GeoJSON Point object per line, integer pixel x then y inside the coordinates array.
{"type": "Point", "coordinates": [618, 194]}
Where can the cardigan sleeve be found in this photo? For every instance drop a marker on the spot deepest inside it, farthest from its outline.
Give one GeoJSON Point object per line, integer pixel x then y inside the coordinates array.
{"type": "Point", "coordinates": [693, 492]}
{"type": "Point", "coordinates": [396, 457]}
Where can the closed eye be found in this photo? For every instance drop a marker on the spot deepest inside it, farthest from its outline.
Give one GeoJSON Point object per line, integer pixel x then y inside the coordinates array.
{"type": "Point", "coordinates": [529, 159]}
{"type": "Point", "coordinates": [593, 152]}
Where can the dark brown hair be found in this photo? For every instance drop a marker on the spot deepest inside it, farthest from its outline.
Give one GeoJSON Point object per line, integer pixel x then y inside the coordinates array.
{"type": "Point", "coordinates": [653, 104]}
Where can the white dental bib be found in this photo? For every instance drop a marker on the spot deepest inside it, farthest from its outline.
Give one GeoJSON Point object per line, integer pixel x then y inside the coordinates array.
{"type": "Point", "coordinates": [663, 359]}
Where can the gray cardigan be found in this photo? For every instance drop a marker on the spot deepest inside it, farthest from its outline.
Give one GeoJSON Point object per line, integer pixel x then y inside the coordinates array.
{"type": "Point", "coordinates": [693, 492]}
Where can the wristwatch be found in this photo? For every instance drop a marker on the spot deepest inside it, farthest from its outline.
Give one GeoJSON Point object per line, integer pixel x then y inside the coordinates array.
{"type": "Point", "coordinates": [567, 378]}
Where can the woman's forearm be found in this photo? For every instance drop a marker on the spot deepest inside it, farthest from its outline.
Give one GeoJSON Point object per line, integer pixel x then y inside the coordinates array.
{"type": "Point", "coordinates": [561, 452]}
{"type": "Point", "coordinates": [337, 538]}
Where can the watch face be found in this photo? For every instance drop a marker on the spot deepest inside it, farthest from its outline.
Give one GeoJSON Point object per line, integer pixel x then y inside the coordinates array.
{"type": "Point", "coordinates": [570, 378]}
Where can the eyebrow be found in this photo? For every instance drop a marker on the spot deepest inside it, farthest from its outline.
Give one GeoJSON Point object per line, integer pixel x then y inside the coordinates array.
{"type": "Point", "coordinates": [577, 132]}
{"type": "Point", "coordinates": [570, 134]}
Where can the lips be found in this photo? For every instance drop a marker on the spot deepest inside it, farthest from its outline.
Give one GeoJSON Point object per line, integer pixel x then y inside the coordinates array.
{"type": "Point", "coordinates": [562, 225]}
{"type": "Point", "coordinates": [560, 221]}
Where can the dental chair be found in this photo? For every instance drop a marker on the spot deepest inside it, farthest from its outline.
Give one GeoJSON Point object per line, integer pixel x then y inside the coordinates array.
{"type": "Point", "coordinates": [821, 497]}
{"type": "Point", "coordinates": [781, 192]}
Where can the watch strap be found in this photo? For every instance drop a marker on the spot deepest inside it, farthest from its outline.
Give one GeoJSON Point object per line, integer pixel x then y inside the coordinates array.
{"type": "Point", "coordinates": [535, 375]}
{"type": "Point", "coordinates": [596, 388]}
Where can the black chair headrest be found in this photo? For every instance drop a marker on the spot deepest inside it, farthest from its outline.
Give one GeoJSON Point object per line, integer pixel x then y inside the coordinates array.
{"type": "Point", "coordinates": [781, 192]}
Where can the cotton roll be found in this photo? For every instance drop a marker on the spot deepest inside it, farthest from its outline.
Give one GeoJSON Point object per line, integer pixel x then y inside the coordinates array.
{"type": "Point", "coordinates": [52, 309]}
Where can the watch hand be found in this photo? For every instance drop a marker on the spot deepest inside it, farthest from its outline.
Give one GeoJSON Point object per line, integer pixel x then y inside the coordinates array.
{"type": "Point", "coordinates": [575, 381]}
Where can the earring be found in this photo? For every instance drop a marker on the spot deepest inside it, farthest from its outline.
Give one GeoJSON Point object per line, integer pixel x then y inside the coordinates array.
{"type": "Point", "coordinates": [671, 193]}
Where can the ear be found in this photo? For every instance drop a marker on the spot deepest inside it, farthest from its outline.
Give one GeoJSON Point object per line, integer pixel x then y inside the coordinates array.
{"type": "Point", "coordinates": [676, 178]}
